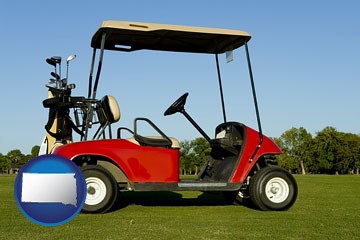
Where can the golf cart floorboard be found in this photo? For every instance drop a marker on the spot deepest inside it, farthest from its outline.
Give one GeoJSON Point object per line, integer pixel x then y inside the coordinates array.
{"type": "Point", "coordinates": [187, 185]}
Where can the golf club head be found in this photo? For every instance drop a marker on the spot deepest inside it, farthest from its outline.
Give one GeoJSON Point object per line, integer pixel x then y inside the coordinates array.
{"type": "Point", "coordinates": [56, 59]}
{"type": "Point", "coordinates": [70, 58]}
{"type": "Point", "coordinates": [71, 86]}
{"type": "Point", "coordinates": [55, 75]}
{"type": "Point", "coordinates": [63, 82]}
{"type": "Point", "coordinates": [51, 80]}
{"type": "Point", "coordinates": [51, 62]}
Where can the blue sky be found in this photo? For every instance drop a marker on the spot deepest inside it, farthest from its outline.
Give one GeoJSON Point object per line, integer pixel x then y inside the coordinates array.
{"type": "Point", "coordinates": [305, 58]}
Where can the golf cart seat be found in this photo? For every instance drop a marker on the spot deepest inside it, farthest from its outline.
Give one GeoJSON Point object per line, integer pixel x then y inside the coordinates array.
{"type": "Point", "coordinates": [110, 113]}
{"type": "Point", "coordinates": [153, 141]}
{"type": "Point", "coordinates": [110, 110]}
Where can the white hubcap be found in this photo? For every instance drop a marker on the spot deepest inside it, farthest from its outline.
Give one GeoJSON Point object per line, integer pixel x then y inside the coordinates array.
{"type": "Point", "coordinates": [96, 191]}
{"type": "Point", "coordinates": [277, 190]}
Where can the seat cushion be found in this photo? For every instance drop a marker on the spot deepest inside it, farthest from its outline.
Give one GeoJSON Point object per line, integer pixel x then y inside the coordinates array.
{"type": "Point", "coordinates": [174, 142]}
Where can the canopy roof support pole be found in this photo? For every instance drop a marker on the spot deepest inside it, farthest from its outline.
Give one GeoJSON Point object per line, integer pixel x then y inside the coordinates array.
{"type": "Point", "coordinates": [91, 72]}
{"type": "Point", "coordinates": [90, 112]}
{"type": "Point", "coordinates": [253, 89]}
{"type": "Point", "coordinates": [255, 102]}
{"type": "Point", "coordinates": [99, 65]}
{"type": "Point", "coordinates": [220, 86]}
{"type": "Point", "coordinates": [87, 118]}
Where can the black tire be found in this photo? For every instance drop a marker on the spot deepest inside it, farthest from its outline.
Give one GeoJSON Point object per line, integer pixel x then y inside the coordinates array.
{"type": "Point", "coordinates": [102, 189]}
{"type": "Point", "coordinates": [273, 188]}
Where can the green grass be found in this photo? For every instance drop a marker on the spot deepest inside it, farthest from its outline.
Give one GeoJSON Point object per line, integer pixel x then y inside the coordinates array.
{"type": "Point", "coordinates": [328, 207]}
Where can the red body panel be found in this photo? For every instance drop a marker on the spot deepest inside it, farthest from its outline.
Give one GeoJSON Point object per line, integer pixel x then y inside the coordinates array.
{"type": "Point", "coordinates": [139, 163]}
{"type": "Point", "coordinates": [251, 143]}
{"type": "Point", "coordinates": [143, 164]}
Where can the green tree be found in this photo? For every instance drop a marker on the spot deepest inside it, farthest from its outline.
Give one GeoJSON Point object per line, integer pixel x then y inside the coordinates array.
{"type": "Point", "coordinates": [295, 144]}
{"type": "Point", "coordinates": [201, 149]}
{"type": "Point", "coordinates": [5, 163]}
{"type": "Point", "coordinates": [193, 155]}
{"type": "Point", "coordinates": [185, 154]}
{"type": "Point", "coordinates": [349, 154]}
{"type": "Point", "coordinates": [35, 151]}
{"type": "Point", "coordinates": [356, 164]}
{"type": "Point", "coordinates": [16, 157]}
{"type": "Point", "coordinates": [329, 153]}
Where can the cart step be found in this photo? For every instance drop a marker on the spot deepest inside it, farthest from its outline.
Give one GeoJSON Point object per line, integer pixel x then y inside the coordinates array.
{"type": "Point", "coordinates": [201, 184]}
{"type": "Point", "coordinates": [186, 186]}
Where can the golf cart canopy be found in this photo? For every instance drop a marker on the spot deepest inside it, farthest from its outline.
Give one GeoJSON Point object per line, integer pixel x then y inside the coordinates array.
{"type": "Point", "coordinates": [132, 36]}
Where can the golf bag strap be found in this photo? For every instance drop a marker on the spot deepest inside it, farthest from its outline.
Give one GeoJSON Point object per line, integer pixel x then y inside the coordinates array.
{"type": "Point", "coordinates": [66, 132]}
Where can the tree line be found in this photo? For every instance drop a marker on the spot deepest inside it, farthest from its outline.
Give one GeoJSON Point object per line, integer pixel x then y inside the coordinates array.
{"type": "Point", "coordinates": [15, 159]}
{"type": "Point", "coordinates": [329, 152]}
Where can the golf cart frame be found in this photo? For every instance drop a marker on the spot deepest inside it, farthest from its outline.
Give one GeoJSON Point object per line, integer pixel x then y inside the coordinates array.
{"type": "Point", "coordinates": [238, 164]}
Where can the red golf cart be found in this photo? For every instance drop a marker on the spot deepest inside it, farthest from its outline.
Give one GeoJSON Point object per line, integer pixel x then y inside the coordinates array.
{"type": "Point", "coordinates": [240, 164]}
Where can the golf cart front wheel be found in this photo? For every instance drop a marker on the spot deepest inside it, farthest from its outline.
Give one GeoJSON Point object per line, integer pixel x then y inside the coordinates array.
{"type": "Point", "coordinates": [101, 190]}
{"type": "Point", "coordinates": [273, 188]}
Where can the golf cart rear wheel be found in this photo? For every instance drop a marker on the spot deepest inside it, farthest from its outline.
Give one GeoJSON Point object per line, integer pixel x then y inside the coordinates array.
{"type": "Point", "coordinates": [101, 188]}
{"type": "Point", "coordinates": [273, 188]}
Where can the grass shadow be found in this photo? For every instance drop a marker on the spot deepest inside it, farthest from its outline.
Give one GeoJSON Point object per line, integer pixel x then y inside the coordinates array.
{"type": "Point", "coordinates": [172, 199]}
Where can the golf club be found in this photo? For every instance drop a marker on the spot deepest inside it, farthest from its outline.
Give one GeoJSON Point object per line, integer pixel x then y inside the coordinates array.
{"type": "Point", "coordinates": [51, 62]}
{"type": "Point", "coordinates": [57, 60]}
{"type": "Point", "coordinates": [69, 59]}
{"type": "Point", "coordinates": [55, 75]}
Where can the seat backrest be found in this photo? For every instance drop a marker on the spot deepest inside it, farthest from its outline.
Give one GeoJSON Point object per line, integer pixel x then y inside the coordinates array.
{"type": "Point", "coordinates": [111, 108]}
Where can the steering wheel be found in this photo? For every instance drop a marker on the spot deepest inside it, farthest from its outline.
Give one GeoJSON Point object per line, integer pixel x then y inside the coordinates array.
{"type": "Point", "coordinates": [177, 106]}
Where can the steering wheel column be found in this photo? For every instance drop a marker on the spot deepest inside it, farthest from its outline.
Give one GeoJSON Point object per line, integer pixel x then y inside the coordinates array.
{"type": "Point", "coordinates": [179, 106]}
